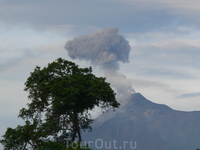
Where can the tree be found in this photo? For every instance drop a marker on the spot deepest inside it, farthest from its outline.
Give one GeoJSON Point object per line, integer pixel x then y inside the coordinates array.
{"type": "Point", "coordinates": [22, 137]}
{"type": "Point", "coordinates": [61, 96]}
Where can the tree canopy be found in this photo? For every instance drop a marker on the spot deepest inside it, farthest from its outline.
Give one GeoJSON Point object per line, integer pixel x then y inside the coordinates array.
{"type": "Point", "coordinates": [61, 96]}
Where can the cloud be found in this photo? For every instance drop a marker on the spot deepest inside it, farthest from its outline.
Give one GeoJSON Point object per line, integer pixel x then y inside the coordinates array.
{"type": "Point", "coordinates": [55, 13]}
{"type": "Point", "coordinates": [161, 4]}
{"type": "Point", "coordinates": [105, 48]}
{"type": "Point", "coordinates": [9, 58]}
{"type": "Point", "coordinates": [136, 15]}
{"type": "Point", "coordinates": [189, 95]}
{"type": "Point", "coordinates": [166, 54]}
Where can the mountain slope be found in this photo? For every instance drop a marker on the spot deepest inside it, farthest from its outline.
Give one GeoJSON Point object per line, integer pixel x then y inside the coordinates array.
{"type": "Point", "coordinates": [141, 124]}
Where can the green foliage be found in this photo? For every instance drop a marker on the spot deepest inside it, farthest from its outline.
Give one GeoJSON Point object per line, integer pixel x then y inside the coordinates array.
{"type": "Point", "coordinates": [20, 137]}
{"type": "Point", "coordinates": [12, 139]}
{"type": "Point", "coordinates": [61, 96]}
{"type": "Point", "coordinates": [52, 146]}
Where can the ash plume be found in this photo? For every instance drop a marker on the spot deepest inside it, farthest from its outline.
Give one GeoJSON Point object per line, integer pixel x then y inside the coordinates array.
{"type": "Point", "coordinates": [104, 48]}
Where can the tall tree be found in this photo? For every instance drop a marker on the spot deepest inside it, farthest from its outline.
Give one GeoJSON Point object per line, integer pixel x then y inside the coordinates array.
{"type": "Point", "coordinates": [61, 96]}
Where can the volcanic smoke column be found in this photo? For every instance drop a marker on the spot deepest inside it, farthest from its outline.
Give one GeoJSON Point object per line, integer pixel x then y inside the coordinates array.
{"type": "Point", "coordinates": [104, 48]}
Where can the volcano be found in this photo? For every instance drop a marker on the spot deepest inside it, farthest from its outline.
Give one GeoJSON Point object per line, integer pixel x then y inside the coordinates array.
{"type": "Point", "coordinates": [143, 125]}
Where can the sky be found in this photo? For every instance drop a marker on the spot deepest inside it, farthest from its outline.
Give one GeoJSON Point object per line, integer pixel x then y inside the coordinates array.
{"type": "Point", "coordinates": [164, 37]}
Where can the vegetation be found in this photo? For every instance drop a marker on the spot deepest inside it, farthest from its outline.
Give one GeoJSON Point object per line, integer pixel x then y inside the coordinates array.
{"type": "Point", "coordinates": [61, 96]}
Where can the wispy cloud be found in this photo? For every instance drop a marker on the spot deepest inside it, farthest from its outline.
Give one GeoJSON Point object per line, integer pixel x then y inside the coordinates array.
{"type": "Point", "coordinates": [189, 95]}
{"type": "Point", "coordinates": [166, 54]}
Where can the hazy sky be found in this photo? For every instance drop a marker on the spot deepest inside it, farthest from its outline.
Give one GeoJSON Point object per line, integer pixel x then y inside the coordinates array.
{"type": "Point", "coordinates": [164, 63]}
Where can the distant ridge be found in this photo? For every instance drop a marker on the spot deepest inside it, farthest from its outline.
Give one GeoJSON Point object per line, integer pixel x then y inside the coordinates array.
{"type": "Point", "coordinates": [143, 125]}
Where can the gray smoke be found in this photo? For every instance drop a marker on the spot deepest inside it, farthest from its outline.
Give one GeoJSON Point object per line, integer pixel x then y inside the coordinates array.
{"type": "Point", "coordinates": [105, 48]}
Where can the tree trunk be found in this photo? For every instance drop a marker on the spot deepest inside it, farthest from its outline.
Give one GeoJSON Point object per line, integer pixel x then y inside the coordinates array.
{"type": "Point", "coordinates": [79, 134]}
{"type": "Point", "coordinates": [75, 130]}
